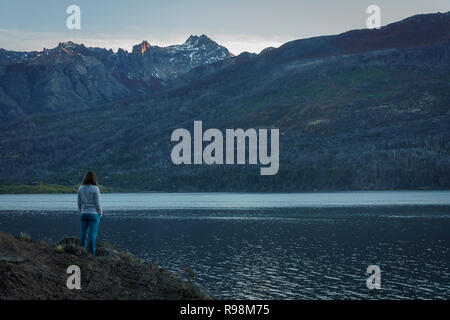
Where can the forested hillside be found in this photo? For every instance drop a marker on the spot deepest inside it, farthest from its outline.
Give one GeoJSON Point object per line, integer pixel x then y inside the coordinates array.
{"type": "Point", "coordinates": [367, 109]}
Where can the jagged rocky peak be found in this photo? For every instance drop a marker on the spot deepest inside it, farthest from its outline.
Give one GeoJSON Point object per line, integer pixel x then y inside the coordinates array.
{"type": "Point", "coordinates": [207, 47]}
{"type": "Point", "coordinates": [199, 40]}
{"type": "Point", "coordinates": [122, 52]}
{"type": "Point", "coordinates": [69, 44]}
{"type": "Point", "coordinates": [69, 47]}
{"type": "Point", "coordinates": [141, 48]}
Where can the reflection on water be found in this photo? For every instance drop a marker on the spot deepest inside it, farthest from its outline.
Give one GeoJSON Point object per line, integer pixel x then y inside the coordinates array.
{"type": "Point", "coordinates": [289, 253]}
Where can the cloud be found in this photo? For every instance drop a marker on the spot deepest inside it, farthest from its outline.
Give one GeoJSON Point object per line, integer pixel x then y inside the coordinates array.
{"type": "Point", "coordinates": [24, 40]}
{"type": "Point", "coordinates": [28, 40]}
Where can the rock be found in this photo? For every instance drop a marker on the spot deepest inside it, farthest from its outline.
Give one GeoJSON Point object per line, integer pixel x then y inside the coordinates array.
{"type": "Point", "coordinates": [17, 259]}
{"type": "Point", "coordinates": [72, 245]}
{"type": "Point", "coordinates": [102, 251]}
{"type": "Point", "coordinates": [30, 270]}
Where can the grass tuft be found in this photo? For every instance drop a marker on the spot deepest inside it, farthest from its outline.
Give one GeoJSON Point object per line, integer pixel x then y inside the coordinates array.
{"type": "Point", "coordinates": [24, 236]}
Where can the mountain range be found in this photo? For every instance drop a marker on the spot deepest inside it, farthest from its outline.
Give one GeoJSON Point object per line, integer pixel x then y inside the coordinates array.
{"type": "Point", "coordinates": [365, 109]}
{"type": "Point", "coordinates": [74, 77]}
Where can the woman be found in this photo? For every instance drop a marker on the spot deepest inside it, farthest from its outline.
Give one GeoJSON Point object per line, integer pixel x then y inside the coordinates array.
{"type": "Point", "coordinates": [91, 210]}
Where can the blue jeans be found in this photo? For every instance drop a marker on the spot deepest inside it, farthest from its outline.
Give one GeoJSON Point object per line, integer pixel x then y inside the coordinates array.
{"type": "Point", "coordinates": [89, 227]}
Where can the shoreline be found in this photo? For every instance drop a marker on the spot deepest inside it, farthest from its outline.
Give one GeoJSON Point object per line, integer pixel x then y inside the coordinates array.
{"type": "Point", "coordinates": [31, 270]}
{"type": "Point", "coordinates": [63, 189]}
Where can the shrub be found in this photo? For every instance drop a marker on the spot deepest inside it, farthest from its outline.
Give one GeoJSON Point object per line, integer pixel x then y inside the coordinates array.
{"type": "Point", "coordinates": [24, 236]}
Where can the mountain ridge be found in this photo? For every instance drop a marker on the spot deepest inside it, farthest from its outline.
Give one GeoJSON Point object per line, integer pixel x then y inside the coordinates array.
{"type": "Point", "coordinates": [73, 77]}
{"type": "Point", "coordinates": [372, 120]}
{"type": "Point", "coordinates": [93, 75]}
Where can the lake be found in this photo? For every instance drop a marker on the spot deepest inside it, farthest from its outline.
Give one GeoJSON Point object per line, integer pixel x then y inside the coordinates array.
{"type": "Point", "coordinates": [268, 245]}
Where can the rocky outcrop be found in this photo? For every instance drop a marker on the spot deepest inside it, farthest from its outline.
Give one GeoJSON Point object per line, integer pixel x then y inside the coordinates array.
{"type": "Point", "coordinates": [30, 270]}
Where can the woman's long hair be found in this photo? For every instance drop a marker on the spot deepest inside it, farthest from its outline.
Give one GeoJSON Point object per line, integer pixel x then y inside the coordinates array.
{"type": "Point", "coordinates": [90, 178]}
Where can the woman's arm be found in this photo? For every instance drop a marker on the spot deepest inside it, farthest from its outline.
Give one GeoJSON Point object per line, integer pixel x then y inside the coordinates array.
{"type": "Point", "coordinates": [79, 200]}
{"type": "Point", "coordinates": [98, 204]}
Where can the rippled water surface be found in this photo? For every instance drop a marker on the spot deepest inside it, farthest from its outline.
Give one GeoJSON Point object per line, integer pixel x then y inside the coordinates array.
{"type": "Point", "coordinates": [269, 246]}
{"type": "Point", "coordinates": [206, 200]}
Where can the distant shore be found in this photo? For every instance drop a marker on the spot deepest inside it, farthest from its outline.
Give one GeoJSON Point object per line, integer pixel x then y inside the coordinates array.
{"type": "Point", "coordinates": [63, 189]}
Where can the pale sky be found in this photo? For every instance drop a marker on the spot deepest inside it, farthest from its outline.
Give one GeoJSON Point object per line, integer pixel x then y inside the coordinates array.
{"type": "Point", "coordinates": [239, 25]}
